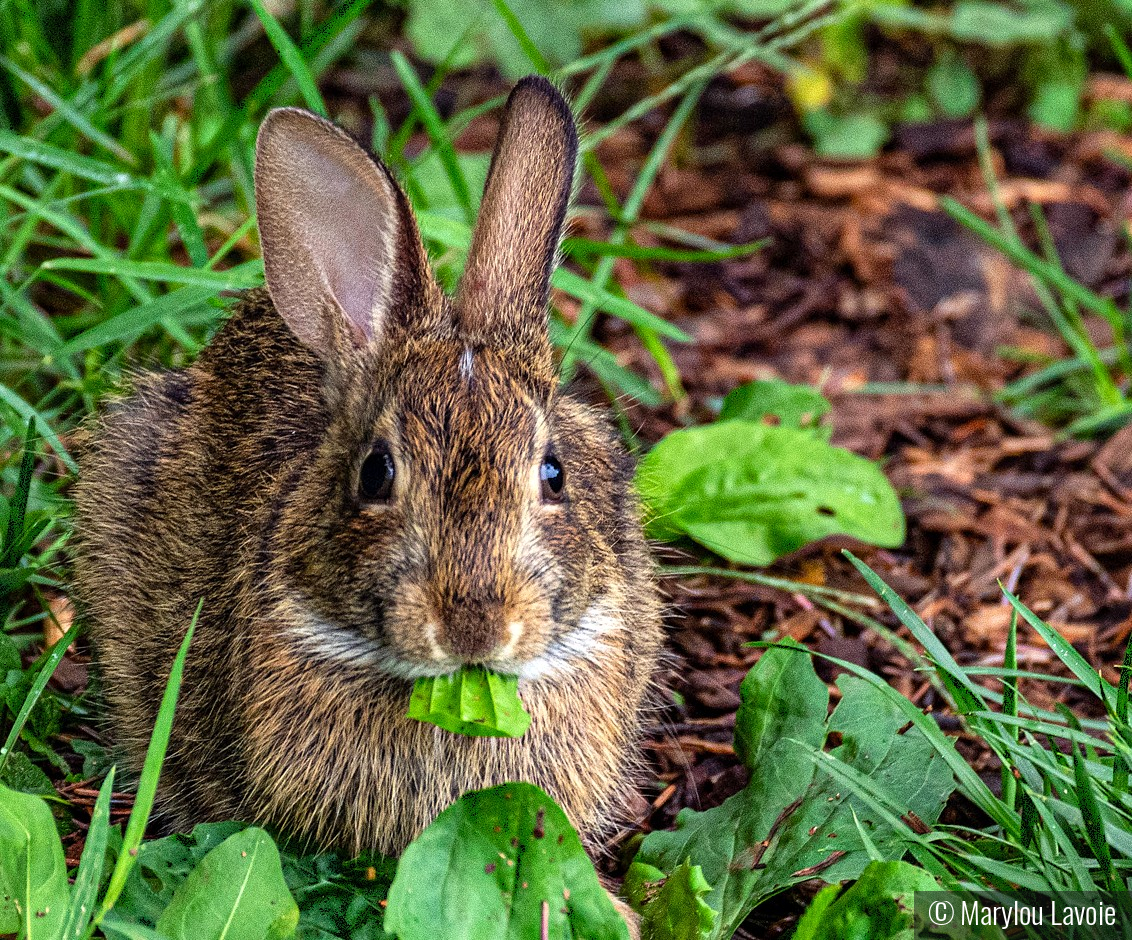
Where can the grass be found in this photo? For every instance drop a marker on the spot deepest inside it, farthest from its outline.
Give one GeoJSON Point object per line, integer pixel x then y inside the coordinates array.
{"type": "Point", "coordinates": [1063, 817]}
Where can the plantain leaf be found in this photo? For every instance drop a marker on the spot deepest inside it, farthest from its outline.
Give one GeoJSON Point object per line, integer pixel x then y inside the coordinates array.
{"type": "Point", "coordinates": [791, 824]}
{"type": "Point", "coordinates": [34, 895]}
{"type": "Point", "coordinates": [499, 864]}
{"type": "Point", "coordinates": [878, 906]}
{"type": "Point", "coordinates": [472, 701]}
{"type": "Point", "coordinates": [237, 892]}
{"type": "Point", "coordinates": [672, 906]}
{"type": "Point", "coordinates": [752, 492]}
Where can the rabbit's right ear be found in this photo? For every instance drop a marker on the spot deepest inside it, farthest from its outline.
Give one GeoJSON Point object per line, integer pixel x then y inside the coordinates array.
{"type": "Point", "coordinates": [341, 252]}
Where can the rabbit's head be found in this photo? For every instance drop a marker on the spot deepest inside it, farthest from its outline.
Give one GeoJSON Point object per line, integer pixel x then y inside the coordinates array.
{"type": "Point", "coordinates": [461, 508]}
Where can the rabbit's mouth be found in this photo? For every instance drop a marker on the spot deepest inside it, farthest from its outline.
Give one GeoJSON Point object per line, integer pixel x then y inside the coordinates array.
{"type": "Point", "coordinates": [584, 644]}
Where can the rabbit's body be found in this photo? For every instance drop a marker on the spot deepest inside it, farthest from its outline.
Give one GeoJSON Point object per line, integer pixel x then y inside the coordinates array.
{"type": "Point", "coordinates": [354, 479]}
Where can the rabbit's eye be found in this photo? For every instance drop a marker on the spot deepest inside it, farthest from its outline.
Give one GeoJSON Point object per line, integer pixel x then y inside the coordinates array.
{"type": "Point", "coordinates": [376, 482]}
{"type": "Point", "coordinates": [552, 479]}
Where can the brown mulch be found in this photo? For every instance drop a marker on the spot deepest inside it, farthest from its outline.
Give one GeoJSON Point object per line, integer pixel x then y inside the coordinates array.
{"type": "Point", "coordinates": [866, 281]}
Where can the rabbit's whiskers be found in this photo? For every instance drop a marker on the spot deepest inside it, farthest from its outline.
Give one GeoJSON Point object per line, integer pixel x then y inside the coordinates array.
{"type": "Point", "coordinates": [329, 642]}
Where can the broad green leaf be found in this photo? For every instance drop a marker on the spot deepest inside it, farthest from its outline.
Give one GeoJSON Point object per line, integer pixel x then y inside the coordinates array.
{"type": "Point", "coordinates": [472, 701]}
{"type": "Point", "coordinates": [34, 895]}
{"type": "Point", "coordinates": [672, 907]}
{"type": "Point", "coordinates": [161, 868]}
{"type": "Point", "coordinates": [752, 493]}
{"type": "Point", "coordinates": [877, 907]}
{"type": "Point", "coordinates": [19, 773]}
{"type": "Point", "coordinates": [782, 699]}
{"type": "Point", "coordinates": [492, 866]}
{"type": "Point", "coordinates": [791, 824]}
{"type": "Point", "coordinates": [237, 892]}
{"type": "Point", "coordinates": [794, 406]}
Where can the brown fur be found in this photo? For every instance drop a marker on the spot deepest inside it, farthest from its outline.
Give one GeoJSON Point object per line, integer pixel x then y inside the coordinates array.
{"type": "Point", "coordinates": [236, 481]}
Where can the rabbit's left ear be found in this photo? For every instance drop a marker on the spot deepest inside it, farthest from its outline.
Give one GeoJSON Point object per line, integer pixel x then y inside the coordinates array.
{"type": "Point", "coordinates": [506, 281]}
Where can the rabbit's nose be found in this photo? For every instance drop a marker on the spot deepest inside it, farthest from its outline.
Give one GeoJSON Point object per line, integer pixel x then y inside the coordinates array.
{"type": "Point", "coordinates": [472, 629]}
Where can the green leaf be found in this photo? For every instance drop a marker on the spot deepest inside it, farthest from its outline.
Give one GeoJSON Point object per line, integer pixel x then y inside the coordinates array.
{"type": "Point", "coordinates": [672, 907]}
{"type": "Point", "coordinates": [1057, 103]}
{"type": "Point", "coordinates": [21, 774]}
{"type": "Point", "coordinates": [790, 824]}
{"type": "Point", "coordinates": [878, 906]}
{"type": "Point", "coordinates": [339, 899]}
{"type": "Point", "coordinates": [462, 34]}
{"type": "Point", "coordinates": [162, 866]}
{"type": "Point", "coordinates": [492, 866]}
{"type": "Point", "coordinates": [472, 701]}
{"type": "Point", "coordinates": [795, 406]}
{"type": "Point", "coordinates": [237, 892]}
{"type": "Point", "coordinates": [752, 493]}
{"type": "Point", "coordinates": [782, 699]}
{"type": "Point", "coordinates": [34, 895]}
{"type": "Point", "coordinates": [846, 137]}
{"type": "Point", "coordinates": [953, 87]}
{"type": "Point", "coordinates": [999, 24]}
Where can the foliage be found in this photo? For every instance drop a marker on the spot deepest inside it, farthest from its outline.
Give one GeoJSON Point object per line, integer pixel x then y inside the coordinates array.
{"type": "Point", "coordinates": [237, 891]}
{"type": "Point", "coordinates": [673, 905]}
{"type": "Point", "coordinates": [753, 492]}
{"type": "Point", "coordinates": [1063, 819]}
{"type": "Point", "coordinates": [877, 906]}
{"type": "Point", "coordinates": [498, 864]}
{"type": "Point", "coordinates": [1084, 392]}
{"type": "Point", "coordinates": [34, 894]}
{"type": "Point", "coordinates": [472, 701]}
{"type": "Point", "coordinates": [796, 819]}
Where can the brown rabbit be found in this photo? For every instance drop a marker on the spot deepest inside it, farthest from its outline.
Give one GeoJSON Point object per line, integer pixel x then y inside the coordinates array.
{"type": "Point", "coordinates": [367, 482]}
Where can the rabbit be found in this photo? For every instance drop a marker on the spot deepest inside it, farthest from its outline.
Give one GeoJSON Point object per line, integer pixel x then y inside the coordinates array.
{"type": "Point", "coordinates": [367, 481]}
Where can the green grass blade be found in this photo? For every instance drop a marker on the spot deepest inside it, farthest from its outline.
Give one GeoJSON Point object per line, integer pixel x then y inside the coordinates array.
{"type": "Point", "coordinates": [89, 875]}
{"type": "Point", "coordinates": [586, 247]}
{"type": "Point", "coordinates": [1074, 661]}
{"type": "Point", "coordinates": [530, 50]}
{"type": "Point", "coordinates": [46, 671]}
{"type": "Point", "coordinates": [42, 425]}
{"type": "Point", "coordinates": [939, 654]}
{"type": "Point", "coordinates": [1120, 720]}
{"type": "Point", "coordinates": [69, 113]}
{"type": "Point", "coordinates": [241, 277]}
{"type": "Point", "coordinates": [434, 126]}
{"type": "Point", "coordinates": [1032, 263]}
{"type": "Point", "coordinates": [291, 57]}
{"type": "Point", "coordinates": [624, 309]}
{"type": "Point", "coordinates": [87, 168]}
{"type": "Point", "coordinates": [18, 504]}
{"type": "Point", "coordinates": [128, 325]}
{"type": "Point", "coordinates": [147, 785]}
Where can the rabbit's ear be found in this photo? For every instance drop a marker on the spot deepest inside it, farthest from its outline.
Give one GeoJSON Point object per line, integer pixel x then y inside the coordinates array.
{"type": "Point", "coordinates": [341, 251]}
{"type": "Point", "coordinates": [507, 276]}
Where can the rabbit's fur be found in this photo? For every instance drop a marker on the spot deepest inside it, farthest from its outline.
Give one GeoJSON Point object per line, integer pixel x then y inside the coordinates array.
{"type": "Point", "coordinates": [236, 480]}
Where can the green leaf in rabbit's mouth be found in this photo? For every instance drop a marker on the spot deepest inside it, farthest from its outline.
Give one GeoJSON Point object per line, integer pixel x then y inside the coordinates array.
{"type": "Point", "coordinates": [473, 701]}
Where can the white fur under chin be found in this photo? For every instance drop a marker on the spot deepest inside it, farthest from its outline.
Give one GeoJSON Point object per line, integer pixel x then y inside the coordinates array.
{"type": "Point", "coordinates": [328, 641]}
